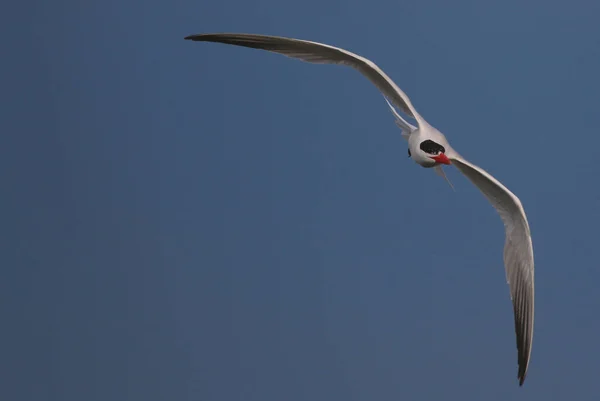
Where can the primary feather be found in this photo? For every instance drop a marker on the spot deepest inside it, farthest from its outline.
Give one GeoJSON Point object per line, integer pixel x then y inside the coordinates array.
{"type": "Point", "coordinates": [518, 250]}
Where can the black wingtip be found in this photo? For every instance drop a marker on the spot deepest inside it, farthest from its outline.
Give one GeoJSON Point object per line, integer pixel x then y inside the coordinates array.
{"type": "Point", "coordinates": [196, 37]}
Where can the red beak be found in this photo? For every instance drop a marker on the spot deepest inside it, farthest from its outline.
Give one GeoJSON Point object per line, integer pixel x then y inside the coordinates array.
{"type": "Point", "coordinates": [441, 158]}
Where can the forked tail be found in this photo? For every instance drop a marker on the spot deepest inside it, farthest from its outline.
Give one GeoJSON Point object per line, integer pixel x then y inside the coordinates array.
{"type": "Point", "coordinates": [440, 171]}
{"type": "Point", "coordinates": [404, 125]}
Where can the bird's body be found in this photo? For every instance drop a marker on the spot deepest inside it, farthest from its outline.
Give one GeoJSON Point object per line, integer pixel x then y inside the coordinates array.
{"type": "Point", "coordinates": [429, 148]}
{"type": "Point", "coordinates": [425, 142]}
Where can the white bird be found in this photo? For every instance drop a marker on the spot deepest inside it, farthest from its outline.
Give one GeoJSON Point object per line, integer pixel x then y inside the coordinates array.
{"type": "Point", "coordinates": [428, 147]}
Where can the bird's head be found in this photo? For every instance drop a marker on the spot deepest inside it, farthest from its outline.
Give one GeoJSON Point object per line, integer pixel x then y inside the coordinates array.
{"type": "Point", "coordinates": [430, 154]}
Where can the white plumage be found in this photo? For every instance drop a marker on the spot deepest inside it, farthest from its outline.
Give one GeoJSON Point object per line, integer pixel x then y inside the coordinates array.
{"type": "Point", "coordinates": [429, 148]}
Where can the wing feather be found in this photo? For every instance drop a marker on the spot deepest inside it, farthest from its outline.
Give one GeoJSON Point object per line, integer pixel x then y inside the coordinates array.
{"type": "Point", "coordinates": [518, 255]}
{"type": "Point", "coordinates": [518, 250]}
{"type": "Point", "coordinates": [318, 53]}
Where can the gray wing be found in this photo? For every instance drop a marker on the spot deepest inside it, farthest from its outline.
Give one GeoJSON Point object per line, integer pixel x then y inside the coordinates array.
{"type": "Point", "coordinates": [317, 53]}
{"type": "Point", "coordinates": [518, 255]}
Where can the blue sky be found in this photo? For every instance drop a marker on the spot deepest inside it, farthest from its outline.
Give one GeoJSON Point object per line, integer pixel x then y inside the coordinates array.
{"type": "Point", "coordinates": [192, 221]}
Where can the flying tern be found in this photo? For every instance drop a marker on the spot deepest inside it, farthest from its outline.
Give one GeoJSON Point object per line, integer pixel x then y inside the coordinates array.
{"type": "Point", "coordinates": [429, 148]}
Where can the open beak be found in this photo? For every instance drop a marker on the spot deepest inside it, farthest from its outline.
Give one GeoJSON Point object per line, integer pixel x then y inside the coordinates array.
{"type": "Point", "coordinates": [441, 158]}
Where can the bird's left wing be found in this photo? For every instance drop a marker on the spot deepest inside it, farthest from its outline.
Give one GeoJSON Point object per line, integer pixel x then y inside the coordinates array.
{"type": "Point", "coordinates": [518, 254]}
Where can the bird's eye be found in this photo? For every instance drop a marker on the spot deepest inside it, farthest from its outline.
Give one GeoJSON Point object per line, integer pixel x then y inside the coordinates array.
{"type": "Point", "coordinates": [428, 146]}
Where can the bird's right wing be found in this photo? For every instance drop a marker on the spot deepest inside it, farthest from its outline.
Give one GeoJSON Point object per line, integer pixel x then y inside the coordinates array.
{"type": "Point", "coordinates": [518, 254]}
{"type": "Point", "coordinates": [319, 53]}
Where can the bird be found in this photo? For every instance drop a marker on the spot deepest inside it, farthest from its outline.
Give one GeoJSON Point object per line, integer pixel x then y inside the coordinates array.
{"type": "Point", "coordinates": [429, 148]}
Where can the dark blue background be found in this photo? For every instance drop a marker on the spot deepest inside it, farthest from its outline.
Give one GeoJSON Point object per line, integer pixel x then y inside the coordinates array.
{"type": "Point", "coordinates": [190, 221]}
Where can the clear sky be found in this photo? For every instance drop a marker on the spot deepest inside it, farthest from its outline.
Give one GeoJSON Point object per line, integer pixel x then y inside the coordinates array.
{"type": "Point", "coordinates": [193, 221]}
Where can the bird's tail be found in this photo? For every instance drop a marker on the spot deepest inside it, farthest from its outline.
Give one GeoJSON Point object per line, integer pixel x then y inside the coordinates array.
{"type": "Point", "coordinates": [440, 171]}
{"type": "Point", "coordinates": [404, 126]}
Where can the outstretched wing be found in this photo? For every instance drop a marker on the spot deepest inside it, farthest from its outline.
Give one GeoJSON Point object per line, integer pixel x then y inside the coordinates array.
{"type": "Point", "coordinates": [518, 254]}
{"type": "Point", "coordinates": [318, 53]}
